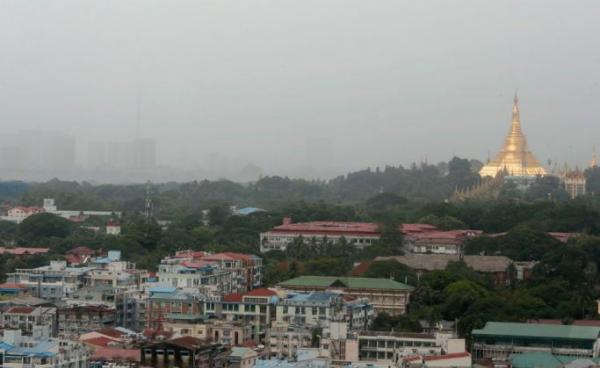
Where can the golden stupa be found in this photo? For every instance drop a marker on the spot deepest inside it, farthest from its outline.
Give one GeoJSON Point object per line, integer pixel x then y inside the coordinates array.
{"type": "Point", "coordinates": [515, 158]}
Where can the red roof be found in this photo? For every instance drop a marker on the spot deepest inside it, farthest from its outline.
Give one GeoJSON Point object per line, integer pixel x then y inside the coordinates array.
{"type": "Point", "coordinates": [261, 292]}
{"type": "Point", "coordinates": [20, 310]}
{"type": "Point", "coordinates": [82, 251]}
{"type": "Point", "coordinates": [10, 285]}
{"type": "Point", "coordinates": [189, 254]}
{"type": "Point", "coordinates": [111, 332]}
{"type": "Point", "coordinates": [188, 342]}
{"type": "Point", "coordinates": [117, 354]}
{"type": "Point", "coordinates": [345, 228]}
{"type": "Point", "coordinates": [464, 354]}
{"type": "Point", "coordinates": [19, 251]}
{"type": "Point", "coordinates": [98, 341]}
{"type": "Point", "coordinates": [360, 269]}
{"type": "Point", "coordinates": [195, 264]}
{"type": "Point", "coordinates": [233, 298]}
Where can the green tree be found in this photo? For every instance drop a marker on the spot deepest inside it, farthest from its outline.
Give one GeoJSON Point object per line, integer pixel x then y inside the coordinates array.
{"type": "Point", "coordinates": [43, 225]}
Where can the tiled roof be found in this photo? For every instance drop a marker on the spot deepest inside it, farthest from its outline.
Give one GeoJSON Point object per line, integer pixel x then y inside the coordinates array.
{"type": "Point", "coordinates": [537, 331]}
{"type": "Point", "coordinates": [345, 282]}
{"type": "Point", "coordinates": [436, 262]}
{"type": "Point", "coordinates": [233, 298]}
{"type": "Point", "coordinates": [261, 292]}
{"type": "Point", "coordinates": [116, 354]}
{"type": "Point", "coordinates": [111, 332]}
{"type": "Point", "coordinates": [82, 251]}
{"type": "Point", "coordinates": [187, 342]}
{"type": "Point", "coordinates": [98, 341]}
{"type": "Point", "coordinates": [464, 354]}
{"type": "Point", "coordinates": [20, 310]}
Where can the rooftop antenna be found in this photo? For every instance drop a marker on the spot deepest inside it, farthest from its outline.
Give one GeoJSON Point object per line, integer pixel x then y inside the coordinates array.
{"type": "Point", "coordinates": [148, 204]}
{"type": "Point", "coordinates": [138, 108]}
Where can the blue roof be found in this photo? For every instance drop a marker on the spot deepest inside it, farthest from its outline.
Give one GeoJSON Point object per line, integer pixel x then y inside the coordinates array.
{"type": "Point", "coordinates": [5, 346]}
{"type": "Point", "coordinates": [273, 363]}
{"type": "Point", "coordinates": [163, 289]}
{"type": "Point", "coordinates": [539, 360]}
{"type": "Point", "coordinates": [314, 297]}
{"type": "Point", "coordinates": [248, 211]}
{"type": "Point", "coordinates": [41, 349]}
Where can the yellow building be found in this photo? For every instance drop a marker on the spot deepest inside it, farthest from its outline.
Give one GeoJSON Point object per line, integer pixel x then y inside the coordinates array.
{"type": "Point", "coordinates": [515, 158]}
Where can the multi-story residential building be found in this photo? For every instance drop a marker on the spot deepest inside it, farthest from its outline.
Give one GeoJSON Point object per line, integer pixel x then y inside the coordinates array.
{"type": "Point", "coordinates": [165, 301]}
{"type": "Point", "coordinates": [283, 339]}
{"type": "Point", "coordinates": [385, 295]}
{"type": "Point", "coordinates": [256, 307]}
{"type": "Point", "coordinates": [184, 352]}
{"type": "Point", "coordinates": [358, 234]}
{"type": "Point", "coordinates": [309, 309]}
{"type": "Point", "coordinates": [17, 351]}
{"type": "Point", "coordinates": [31, 321]}
{"type": "Point", "coordinates": [219, 273]}
{"type": "Point", "coordinates": [498, 340]}
{"type": "Point", "coordinates": [75, 320]}
{"type": "Point", "coordinates": [317, 309]}
{"type": "Point", "coordinates": [182, 273]}
{"type": "Point", "coordinates": [53, 282]}
{"type": "Point", "coordinates": [245, 268]}
{"type": "Point", "coordinates": [383, 346]}
{"type": "Point", "coordinates": [112, 271]}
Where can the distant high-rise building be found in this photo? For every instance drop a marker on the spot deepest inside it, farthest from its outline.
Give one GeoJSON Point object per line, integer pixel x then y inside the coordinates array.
{"type": "Point", "coordinates": [144, 153]}
{"type": "Point", "coordinates": [39, 151]}
{"type": "Point", "coordinates": [97, 154]}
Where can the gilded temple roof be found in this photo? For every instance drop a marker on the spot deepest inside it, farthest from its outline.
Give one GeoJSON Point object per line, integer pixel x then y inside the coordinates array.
{"type": "Point", "coordinates": [515, 156]}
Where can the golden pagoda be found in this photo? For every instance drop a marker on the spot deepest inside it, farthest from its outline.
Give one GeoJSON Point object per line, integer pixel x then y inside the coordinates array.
{"type": "Point", "coordinates": [515, 158]}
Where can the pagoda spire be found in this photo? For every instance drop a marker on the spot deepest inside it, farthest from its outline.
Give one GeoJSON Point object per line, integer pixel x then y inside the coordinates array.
{"type": "Point", "coordinates": [516, 118]}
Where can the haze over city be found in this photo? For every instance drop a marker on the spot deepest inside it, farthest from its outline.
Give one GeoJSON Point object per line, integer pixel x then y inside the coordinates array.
{"type": "Point", "coordinates": [299, 88]}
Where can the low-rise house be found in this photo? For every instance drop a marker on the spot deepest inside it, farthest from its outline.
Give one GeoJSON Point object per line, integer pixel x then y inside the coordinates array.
{"type": "Point", "coordinates": [184, 352]}
{"type": "Point", "coordinates": [241, 357]}
{"type": "Point", "coordinates": [498, 340]}
{"type": "Point", "coordinates": [497, 267]}
{"type": "Point", "coordinates": [440, 242]}
{"type": "Point", "coordinates": [19, 213]}
{"type": "Point", "coordinates": [113, 227]}
{"type": "Point", "coordinates": [385, 295]}
{"type": "Point", "coordinates": [17, 351]}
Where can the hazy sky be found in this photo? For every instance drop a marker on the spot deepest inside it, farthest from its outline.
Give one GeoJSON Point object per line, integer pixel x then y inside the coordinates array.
{"type": "Point", "coordinates": [288, 84]}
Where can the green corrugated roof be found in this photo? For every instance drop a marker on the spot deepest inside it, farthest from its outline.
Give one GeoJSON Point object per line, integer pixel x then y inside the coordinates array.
{"type": "Point", "coordinates": [350, 282]}
{"type": "Point", "coordinates": [539, 360]}
{"type": "Point", "coordinates": [511, 329]}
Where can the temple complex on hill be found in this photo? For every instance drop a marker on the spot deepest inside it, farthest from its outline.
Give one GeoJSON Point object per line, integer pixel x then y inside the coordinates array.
{"type": "Point", "coordinates": [515, 157]}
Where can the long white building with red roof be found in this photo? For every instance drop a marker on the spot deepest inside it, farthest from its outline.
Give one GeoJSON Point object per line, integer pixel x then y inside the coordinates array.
{"type": "Point", "coordinates": [420, 238]}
